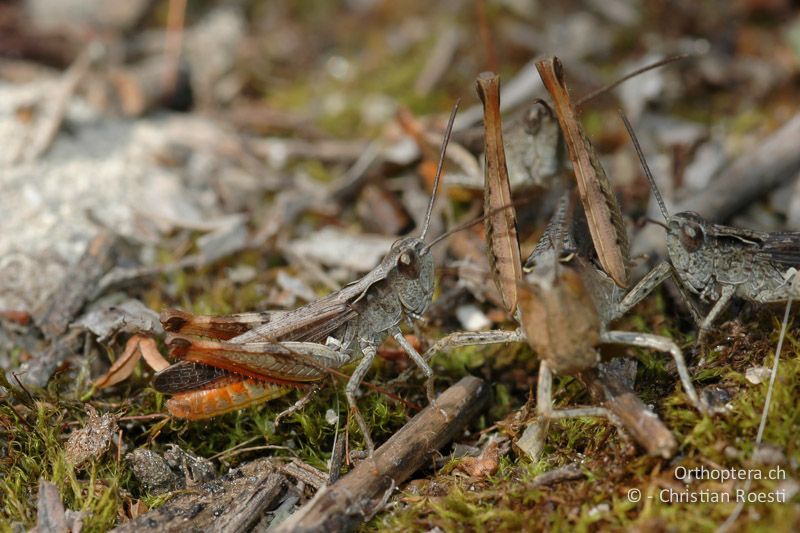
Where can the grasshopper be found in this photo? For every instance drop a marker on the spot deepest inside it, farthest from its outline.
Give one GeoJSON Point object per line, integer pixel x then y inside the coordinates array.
{"type": "Point", "coordinates": [230, 362]}
{"type": "Point", "coordinates": [566, 306]}
{"type": "Point", "coordinates": [717, 263]}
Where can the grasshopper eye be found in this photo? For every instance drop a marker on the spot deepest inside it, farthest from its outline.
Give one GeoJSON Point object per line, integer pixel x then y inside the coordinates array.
{"type": "Point", "coordinates": [408, 264]}
{"type": "Point", "coordinates": [691, 236]}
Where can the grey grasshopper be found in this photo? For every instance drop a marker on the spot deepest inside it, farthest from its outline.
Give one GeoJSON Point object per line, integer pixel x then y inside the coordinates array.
{"type": "Point", "coordinates": [229, 362]}
{"type": "Point", "coordinates": [717, 263]}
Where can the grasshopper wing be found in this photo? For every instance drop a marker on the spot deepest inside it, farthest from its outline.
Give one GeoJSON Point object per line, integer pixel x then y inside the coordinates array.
{"type": "Point", "coordinates": [215, 326]}
{"type": "Point", "coordinates": [782, 248]}
{"type": "Point", "coordinates": [187, 375]}
{"type": "Point", "coordinates": [285, 362]}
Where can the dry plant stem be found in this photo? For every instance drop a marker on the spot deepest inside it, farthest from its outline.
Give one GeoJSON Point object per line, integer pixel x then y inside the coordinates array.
{"type": "Point", "coordinates": [485, 32]}
{"type": "Point", "coordinates": [439, 61]}
{"type": "Point", "coordinates": [642, 424]}
{"type": "Point", "coordinates": [229, 504]}
{"type": "Point", "coordinates": [51, 121]}
{"type": "Point", "coordinates": [176, 15]}
{"type": "Point", "coordinates": [337, 459]}
{"type": "Point", "coordinates": [343, 505]}
{"type": "Point", "coordinates": [501, 227]}
{"type": "Point", "coordinates": [142, 87]}
{"type": "Point", "coordinates": [55, 314]}
{"type": "Point", "coordinates": [599, 202]}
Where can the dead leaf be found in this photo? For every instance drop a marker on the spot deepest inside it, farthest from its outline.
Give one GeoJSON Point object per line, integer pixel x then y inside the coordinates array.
{"type": "Point", "coordinates": [93, 439]}
{"type": "Point", "coordinates": [485, 465]}
{"type": "Point", "coordinates": [599, 202]}
{"type": "Point", "coordinates": [136, 347]}
{"type": "Point", "coordinates": [501, 225]}
{"type": "Point", "coordinates": [50, 509]}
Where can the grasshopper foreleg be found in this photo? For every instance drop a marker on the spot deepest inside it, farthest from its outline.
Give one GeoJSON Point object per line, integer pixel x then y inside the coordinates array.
{"type": "Point", "coordinates": [645, 286]}
{"type": "Point", "coordinates": [419, 361]}
{"type": "Point", "coordinates": [726, 294]}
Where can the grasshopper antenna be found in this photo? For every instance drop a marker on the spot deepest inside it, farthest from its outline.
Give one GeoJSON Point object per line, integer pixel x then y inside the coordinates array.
{"type": "Point", "coordinates": [626, 77]}
{"type": "Point", "coordinates": [645, 166]}
{"type": "Point", "coordinates": [478, 220]}
{"type": "Point", "coordinates": [445, 141]}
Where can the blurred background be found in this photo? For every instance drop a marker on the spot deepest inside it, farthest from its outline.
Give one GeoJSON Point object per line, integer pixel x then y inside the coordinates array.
{"type": "Point", "coordinates": [252, 155]}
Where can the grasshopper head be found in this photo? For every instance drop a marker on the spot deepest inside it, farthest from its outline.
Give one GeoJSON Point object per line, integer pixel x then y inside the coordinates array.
{"type": "Point", "coordinates": [412, 274]}
{"type": "Point", "coordinates": [686, 244]}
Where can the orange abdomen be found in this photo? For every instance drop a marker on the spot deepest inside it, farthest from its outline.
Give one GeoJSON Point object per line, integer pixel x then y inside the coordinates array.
{"type": "Point", "coordinates": [217, 400]}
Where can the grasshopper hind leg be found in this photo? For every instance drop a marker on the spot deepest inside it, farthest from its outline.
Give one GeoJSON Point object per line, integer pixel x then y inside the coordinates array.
{"type": "Point", "coordinates": [535, 435]}
{"type": "Point", "coordinates": [298, 405]}
{"type": "Point", "coordinates": [663, 344]}
{"type": "Point", "coordinates": [473, 338]}
{"type": "Point", "coordinates": [544, 401]}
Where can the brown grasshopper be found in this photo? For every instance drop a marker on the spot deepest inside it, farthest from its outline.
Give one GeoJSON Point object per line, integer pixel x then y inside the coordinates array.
{"type": "Point", "coordinates": [718, 263]}
{"type": "Point", "coordinates": [565, 306]}
{"type": "Point", "coordinates": [229, 362]}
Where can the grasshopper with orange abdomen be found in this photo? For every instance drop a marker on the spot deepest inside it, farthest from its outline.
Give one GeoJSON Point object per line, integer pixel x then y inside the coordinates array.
{"type": "Point", "coordinates": [230, 362]}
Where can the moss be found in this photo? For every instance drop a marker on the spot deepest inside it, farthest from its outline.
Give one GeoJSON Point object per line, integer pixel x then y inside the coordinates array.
{"type": "Point", "coordinates": [34, 450]}
{"type": "Point", "coordinates": [506, 501]}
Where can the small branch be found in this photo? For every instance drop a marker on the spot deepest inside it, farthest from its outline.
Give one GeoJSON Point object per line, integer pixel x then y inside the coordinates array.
{"type": "Point", "coordinates": [346, 503]}
{"type": "Point", "coordinates": [642, 423]}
